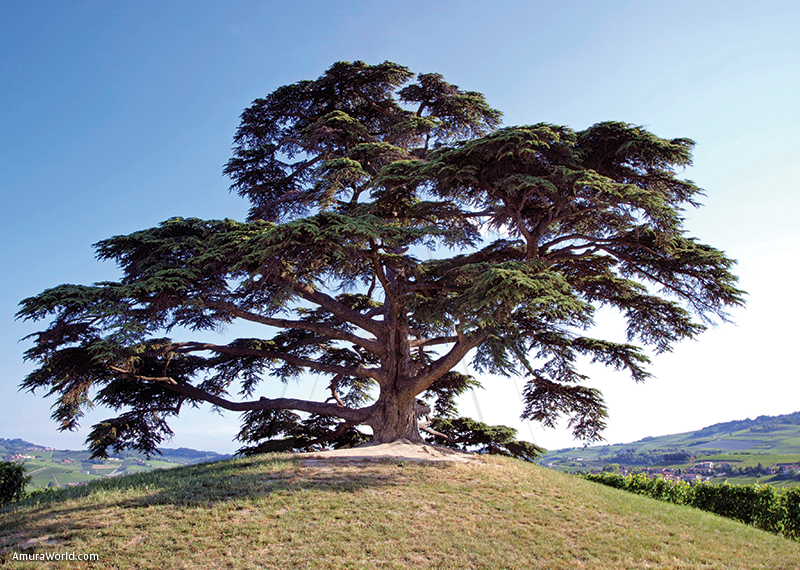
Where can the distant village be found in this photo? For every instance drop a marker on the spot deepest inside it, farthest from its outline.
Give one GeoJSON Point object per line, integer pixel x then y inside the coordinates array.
{"type": "Point", "coordinates": [53, 468]}
{"type": "Point", "coordinates": [25, 456]}
{"type": "Point", "coordinates": [707, 470]}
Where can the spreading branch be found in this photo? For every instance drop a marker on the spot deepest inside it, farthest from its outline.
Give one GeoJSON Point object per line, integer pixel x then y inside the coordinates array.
{"type": "Point", "coordinates": [371, 345]}
{"type": "Point", "coordinates": [197, 394]}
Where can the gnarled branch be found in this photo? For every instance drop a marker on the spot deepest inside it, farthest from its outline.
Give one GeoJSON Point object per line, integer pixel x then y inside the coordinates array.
{"type": "Point", "coordinates": [354, 416]}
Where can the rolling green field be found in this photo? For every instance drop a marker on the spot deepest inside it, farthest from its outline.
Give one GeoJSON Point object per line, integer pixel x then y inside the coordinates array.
{"type": "Point", "coordinates": [765, 441]}
{"type": "Point", "coordinates": [59, 468]}
{"type": "Point", "coordinates": [277, 512]}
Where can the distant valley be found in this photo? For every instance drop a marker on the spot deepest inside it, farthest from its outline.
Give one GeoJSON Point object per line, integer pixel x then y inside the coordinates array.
{"type": "Point", "coordinates": [765, 450]}
{"type": "Point", "coordinates": [49, 467]}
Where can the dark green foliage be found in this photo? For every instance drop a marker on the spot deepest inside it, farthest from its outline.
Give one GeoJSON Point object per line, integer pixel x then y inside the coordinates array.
{"type": "Point", "coordinates": [764, 507]}
{"type": "Point", "coordinates": [677, 456]}
{"type": "Point", "coordinates": [791, 522]}
{"type": "Point", "coordinates": [284, 431]}
{"type": "Point", "coordinates": [12, 482]}
{"type": "Point", "coordinates": [631, 457]}
{"type": "Point", "coordinates": [351, 178]}
{"type": "Point", "coordinates": [467, 434]}
{"type": "Point", "coordinates": [445, 390]}
{"type": "Point", "coordinates": [751, 504]}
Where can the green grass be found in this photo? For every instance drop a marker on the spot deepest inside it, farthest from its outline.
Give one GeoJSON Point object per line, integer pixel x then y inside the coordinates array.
{"type": "Point", "coordinates": [768, 440]}
{"type": "Point", "coordinates": [46, 475]}
{"type": "Point", "coordinates": [80, 469]}
{"type": "Point", "coordinates": [760, 480]}
{"type": "Point", "coordinates": [274, 512]}
{"type": "Point", "coordinates": [751, 459]}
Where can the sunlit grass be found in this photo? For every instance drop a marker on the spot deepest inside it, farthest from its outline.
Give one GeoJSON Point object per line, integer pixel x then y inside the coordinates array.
{"type": "Point", "coordinates": [752, 459]}
{"type": "Point", "coordinates": [273, 512]}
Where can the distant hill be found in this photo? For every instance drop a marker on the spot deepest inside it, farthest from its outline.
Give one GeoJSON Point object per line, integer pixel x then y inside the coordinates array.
{"type": "Point", "coordinates": [746, 451]}
{"type": "Point", "coordinates": [762, 424]}
{"type": "Point", "coordinates": [50, 467]}
{"type": "Point", "coordinates": [11, 445]}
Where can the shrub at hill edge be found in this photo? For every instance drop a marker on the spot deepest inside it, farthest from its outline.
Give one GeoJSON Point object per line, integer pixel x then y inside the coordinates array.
{"type": "Point", "coordinates": [764, 507]}
{"type": "Point", "coordinates": [12, 482]}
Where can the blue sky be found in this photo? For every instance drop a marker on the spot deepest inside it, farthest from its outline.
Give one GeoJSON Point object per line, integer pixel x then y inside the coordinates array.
{"type": "Point", "coordinates": [119, 115]}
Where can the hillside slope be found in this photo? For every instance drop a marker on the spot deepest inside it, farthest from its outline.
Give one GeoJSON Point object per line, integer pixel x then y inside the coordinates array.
{"type": "Point", "coordinates": [765, 441]}
{"type": "Point", "coordinates": [277, 512]}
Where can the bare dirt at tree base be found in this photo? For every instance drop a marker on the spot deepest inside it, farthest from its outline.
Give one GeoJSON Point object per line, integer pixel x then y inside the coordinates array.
{"type": "Point", "coordinates": [398, 450]}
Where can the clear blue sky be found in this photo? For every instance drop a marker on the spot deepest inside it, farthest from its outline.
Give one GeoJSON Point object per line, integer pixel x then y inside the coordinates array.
{"type": "Point", "coordinates": [118, 115]}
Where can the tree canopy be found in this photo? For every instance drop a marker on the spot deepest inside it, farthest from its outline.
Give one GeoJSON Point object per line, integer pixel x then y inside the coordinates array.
{"type": "Point", "coordinates": [395, 228]}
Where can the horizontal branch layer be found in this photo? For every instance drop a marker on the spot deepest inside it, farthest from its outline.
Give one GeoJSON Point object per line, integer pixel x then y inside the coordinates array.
{"type": "Point", "coordinates": [350, 415]}
{"type": "Point", "coordinates": [372, 345]}
{"type": "Point", "coordinates": [289, 358]}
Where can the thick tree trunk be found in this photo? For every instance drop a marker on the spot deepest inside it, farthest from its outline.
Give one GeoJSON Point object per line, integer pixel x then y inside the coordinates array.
{"type": "Point", "coordinates": [395, 418]}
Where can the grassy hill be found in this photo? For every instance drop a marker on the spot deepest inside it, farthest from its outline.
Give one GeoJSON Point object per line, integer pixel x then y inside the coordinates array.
{"type": "Point", "coordinates": [276, 512]}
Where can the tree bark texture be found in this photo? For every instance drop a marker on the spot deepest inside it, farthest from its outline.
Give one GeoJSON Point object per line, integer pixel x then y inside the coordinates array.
{"type": "Point", "coordinates": [394, 417]}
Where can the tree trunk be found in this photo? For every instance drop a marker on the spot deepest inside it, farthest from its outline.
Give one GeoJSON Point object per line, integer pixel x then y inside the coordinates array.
{"type": "Point", "coordinates": [395, 418]}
